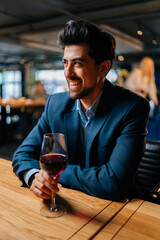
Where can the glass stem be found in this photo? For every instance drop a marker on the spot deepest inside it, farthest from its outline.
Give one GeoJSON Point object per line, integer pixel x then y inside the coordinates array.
{"type": "Point", "coordinates": [53, 203]}
{"type": "Point", "coordinates": [53, 200]}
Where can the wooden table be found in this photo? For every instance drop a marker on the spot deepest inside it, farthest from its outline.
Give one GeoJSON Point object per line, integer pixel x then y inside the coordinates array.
{"type": "Point", "coordinates": [87, 217]}
{"type": "Point", "coordinates": [137, 220]}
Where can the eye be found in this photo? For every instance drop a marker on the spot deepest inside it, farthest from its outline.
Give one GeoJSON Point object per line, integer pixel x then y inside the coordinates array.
{"type": "Point", "coordinates": [77, 63]}
{"type": "Point", "coordinates": [64, 62]}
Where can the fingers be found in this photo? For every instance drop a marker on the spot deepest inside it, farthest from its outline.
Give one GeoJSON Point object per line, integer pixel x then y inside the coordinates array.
{"type": "Point", "coordinates": [50, 178]}
{"type": "Point", "coordinates": [39, 193]}
{"type": "Point", "coordinates": [43, 185]}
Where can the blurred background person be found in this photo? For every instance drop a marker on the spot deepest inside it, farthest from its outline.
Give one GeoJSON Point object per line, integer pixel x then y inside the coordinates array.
{"type": "Point", "coordinates": [39, 93]}
{"type": "Point", "coordinates": [31, 115]}
{"type": "Point", "coordinates": [122, 75]}
{"type": "Point", "coordinates": [142, 81]}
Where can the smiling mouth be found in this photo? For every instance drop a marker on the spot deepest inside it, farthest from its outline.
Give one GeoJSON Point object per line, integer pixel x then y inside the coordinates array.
{"type": "Point", "coordinates": [74, 83]}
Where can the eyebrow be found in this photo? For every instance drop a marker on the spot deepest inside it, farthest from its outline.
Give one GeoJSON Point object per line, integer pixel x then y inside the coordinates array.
{"type": "Point", "coordinates": [75, 59]}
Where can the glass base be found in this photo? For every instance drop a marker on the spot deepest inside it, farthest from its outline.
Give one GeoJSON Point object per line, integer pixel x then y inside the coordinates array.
{"type": "Point", "coordinates": [58, 211]}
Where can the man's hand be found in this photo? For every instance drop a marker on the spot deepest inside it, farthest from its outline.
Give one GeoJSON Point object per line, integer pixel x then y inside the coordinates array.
{"type": "Point", "coordinates": [43, 184]}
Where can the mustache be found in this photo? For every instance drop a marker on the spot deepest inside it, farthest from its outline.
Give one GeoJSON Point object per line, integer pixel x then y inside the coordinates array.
{"type": "Point", "coordinates": [74, 78]}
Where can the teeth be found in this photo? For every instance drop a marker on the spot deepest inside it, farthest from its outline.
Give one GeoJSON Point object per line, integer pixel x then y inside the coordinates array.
{"type": "Point", "coordinates": [73, 83]}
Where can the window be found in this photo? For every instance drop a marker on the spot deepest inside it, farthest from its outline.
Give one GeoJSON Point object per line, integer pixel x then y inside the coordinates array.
{"type": "Point", "coordinates": [112, 75]}
{"type": "Point", "coordinates": [53, 80]}
{"type": "Point", "coordinates": [11, 84]}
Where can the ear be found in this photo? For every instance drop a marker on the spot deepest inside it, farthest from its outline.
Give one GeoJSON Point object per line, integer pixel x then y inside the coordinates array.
{"type": "Point", "coordinates": [104, 67]}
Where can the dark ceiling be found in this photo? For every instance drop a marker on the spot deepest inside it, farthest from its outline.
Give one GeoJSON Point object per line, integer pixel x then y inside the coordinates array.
{"type": "Point", "coordinates": [28, 28]}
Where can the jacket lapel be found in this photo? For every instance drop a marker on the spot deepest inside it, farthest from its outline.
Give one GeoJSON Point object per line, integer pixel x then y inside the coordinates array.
{"type": "Point", "coordinates": [101, 116]}
{"type": "Point", "coordinates": [72, 125]}
{"type": "Point", "coordinates": [72, 128]}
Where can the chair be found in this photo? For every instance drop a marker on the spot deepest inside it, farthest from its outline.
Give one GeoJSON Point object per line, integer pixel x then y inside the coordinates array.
{"type": "Point", "coordinates": [148, 175]}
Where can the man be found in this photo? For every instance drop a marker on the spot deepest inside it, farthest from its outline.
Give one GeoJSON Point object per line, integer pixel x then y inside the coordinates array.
{"type": "Point", "coordinates": [104, 125]}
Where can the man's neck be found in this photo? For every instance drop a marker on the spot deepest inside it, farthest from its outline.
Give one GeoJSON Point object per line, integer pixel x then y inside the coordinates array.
{"type": "Point", "coordinates": [86, 105]}
{"type": "Point", "coordinates": [88, 101]}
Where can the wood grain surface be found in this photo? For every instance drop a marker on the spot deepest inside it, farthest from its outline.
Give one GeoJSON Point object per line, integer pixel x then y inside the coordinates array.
{"type": "Point", "coordinates": [87, 217]}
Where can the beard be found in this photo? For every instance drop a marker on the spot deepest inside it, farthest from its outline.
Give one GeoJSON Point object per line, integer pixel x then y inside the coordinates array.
{"type": "Point", "coordinates": [80, 94]}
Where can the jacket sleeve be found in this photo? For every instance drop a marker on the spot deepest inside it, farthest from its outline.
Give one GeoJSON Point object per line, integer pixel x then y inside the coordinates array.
{"type": "Point", "coordinates": [26, 156]}
{"type": "Point", "coordinates": [113, 179]}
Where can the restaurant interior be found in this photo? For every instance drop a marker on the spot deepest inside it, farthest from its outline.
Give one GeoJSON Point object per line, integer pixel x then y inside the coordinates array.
{"type": "Point", "coordinates": [29, 53]}
{"type": "Point", "coordinates": [31, 69]}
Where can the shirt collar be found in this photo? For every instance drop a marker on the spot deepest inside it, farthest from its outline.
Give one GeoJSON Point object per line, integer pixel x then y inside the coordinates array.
{"type": "Point", "coordinates": [91, 110]}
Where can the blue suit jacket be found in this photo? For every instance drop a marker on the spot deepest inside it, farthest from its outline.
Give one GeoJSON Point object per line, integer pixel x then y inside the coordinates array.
{"type": "Point", "coordinates": [114, 147]}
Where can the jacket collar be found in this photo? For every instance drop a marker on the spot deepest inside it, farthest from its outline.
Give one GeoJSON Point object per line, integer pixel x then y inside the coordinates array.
{"type": "Point", "coordinates": [72, 122]}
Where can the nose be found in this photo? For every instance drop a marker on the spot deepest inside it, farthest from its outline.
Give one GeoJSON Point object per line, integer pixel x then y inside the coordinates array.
{"type": "Point", "coordinates": [68, 70]}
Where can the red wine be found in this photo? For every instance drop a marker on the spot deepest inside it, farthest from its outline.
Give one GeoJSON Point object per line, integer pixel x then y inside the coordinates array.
{"type": "Point", "coordinates": [53, 163]}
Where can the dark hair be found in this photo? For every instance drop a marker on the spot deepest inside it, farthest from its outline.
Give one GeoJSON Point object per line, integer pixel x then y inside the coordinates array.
{"type": "Point", "coordinates": [101, 44]}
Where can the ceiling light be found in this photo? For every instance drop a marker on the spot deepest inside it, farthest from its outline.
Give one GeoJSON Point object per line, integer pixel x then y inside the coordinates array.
{"type": "Point", "coordinates": [154, 41]}
{"type": "Point", "coordinates": [22, 61]}
{"type": "Point", "coordinates": [121, 58]}
{"type": "Point", "coordinates": [139, 29]}
{"type": "Point", "coordinates": [139, 32]}
{"type": "Point", "coordinates": [31, 63]}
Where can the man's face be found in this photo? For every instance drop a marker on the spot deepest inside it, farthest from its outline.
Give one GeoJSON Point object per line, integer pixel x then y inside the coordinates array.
{"type": "Point", "coordinates": [81, 72]}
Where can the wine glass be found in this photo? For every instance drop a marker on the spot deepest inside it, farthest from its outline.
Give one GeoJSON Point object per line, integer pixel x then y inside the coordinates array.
{"type": "Point", "coordinates": [53, 160]}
